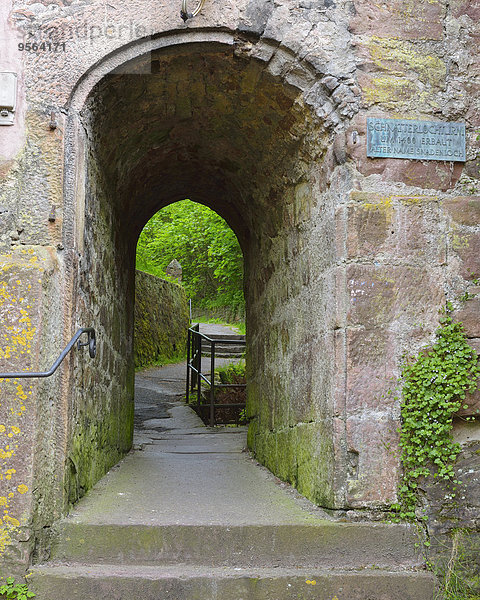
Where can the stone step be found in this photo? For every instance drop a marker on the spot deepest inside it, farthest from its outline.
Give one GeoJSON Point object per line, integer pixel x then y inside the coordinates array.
{"type": "Point", "coordinates": [225, 336]}
{"type": "Point", "coordinates": [225, 350]}
{"type": "Point", "coordinates": [181, 582]}
{"type": "Point", "coordinates": [226, 353]}
{"type": "Point", "coordinates": [330, 544]}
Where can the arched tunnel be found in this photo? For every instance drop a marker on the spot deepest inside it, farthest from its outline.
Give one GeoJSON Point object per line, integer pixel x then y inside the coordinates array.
{"type": "Point", "coordinates": [209, 123]}
{"type": "Point", "coordinates": [263, 111]}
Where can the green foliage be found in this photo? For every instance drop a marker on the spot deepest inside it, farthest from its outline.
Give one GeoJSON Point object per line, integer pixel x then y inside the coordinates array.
{"type": "Point", "coordinates": [205, 246]}
{"type": "Point", "coordinates": [232, 372]}
{"type": "Point", "coordinates": [12, 591]}
{"type": "Point", "coordinates": [434, 387]}
{"type": "Point", "coordinates": [458, 574]}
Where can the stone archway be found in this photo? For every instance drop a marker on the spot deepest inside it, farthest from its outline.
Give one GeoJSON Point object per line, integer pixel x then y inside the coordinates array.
{"type": "Point", "coordinates": [349, 257]}
{"type": "Point", "coordinates": [213, 121]}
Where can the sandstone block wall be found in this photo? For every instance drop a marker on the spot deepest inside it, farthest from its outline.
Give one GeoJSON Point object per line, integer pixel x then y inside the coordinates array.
{"type": "Point", "coordinates": [161, 320]}
{"type": "Point", "coordinates": [32, 424]}
{"type": "Point", "coordinates": [257, 109]}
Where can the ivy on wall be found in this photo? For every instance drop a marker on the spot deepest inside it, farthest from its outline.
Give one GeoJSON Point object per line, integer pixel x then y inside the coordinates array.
{"type": "Point", "coordinates": [434, 387]}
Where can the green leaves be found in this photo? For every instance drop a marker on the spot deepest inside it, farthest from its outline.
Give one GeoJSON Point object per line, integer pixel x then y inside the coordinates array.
{"type": "Point", "coordinates": [10, 591]}
{"type": "Point", "coordinates": [205, 246]}
{"type": "Point", "coordinates": [434, 387]}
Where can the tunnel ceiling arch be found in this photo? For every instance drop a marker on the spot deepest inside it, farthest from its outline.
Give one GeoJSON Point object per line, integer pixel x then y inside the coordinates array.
{"type": "Point", "coordinates": [205, 124]}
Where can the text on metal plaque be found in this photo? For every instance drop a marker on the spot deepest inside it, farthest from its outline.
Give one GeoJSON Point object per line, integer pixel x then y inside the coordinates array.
{"type": "Point", "coordinates": [424, 140]}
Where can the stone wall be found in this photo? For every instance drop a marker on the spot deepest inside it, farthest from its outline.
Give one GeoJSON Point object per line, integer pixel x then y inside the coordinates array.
{"type": "Point", "coordinates": [259, 111]}
{"type": "Point", "coordinates": [161, 320]}
{"type": "Point", "coordinates": [32, 440]}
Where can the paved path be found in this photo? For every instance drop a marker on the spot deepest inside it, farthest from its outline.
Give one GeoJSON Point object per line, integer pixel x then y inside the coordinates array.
{"type": "Point", "coordinates": [182, 472]}
{"type": "Point", "coordinates": [188, 514]}
{"type": "Point", "coordinates": [213, 329]}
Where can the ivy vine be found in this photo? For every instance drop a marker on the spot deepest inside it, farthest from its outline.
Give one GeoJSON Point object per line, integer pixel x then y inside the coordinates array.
{"type": "Point", "coordinates": [434, 387]}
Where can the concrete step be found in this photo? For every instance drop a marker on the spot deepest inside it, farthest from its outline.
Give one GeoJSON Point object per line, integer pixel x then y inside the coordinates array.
{"type": "Point", "coordinates": [226, 336]}
{"type": "Point", "coordinates": [324, 545]}
{"type": "Point", "coordinates": [193, 517]}
{"type": "Point", "coordinates": [225, 350]}
{"type": "Point", "coordinates": [181, 582]}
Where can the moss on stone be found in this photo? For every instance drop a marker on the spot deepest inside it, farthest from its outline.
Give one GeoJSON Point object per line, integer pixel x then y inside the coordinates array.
{"type": "Point", "coordinates": [287, 467]}
{"type": "Point", "coordinates": [314, 456]}
{"type": "Point", "coordinates": [161, 320]}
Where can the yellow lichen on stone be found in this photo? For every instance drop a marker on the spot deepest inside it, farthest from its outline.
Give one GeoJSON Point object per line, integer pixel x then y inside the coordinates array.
{"type": "Point", "coordinates": [458, 240]}
{"type": "Point", "coordinates": [398, 57]}
{"type": "Point", "coordinates": [384, 205]}
{"type": "Point", "coordinates": [414, 8]}
{"type": "Point", "coordinates": [17, 300]}
{"type": "Point", "coordinates": [11, 521]}
{"type": "Point", "coordinates": [409, 73]}
{"type": "Point", "coordinates": [388, 90]}
{"type": "Point", "coordinates": [5, 538]}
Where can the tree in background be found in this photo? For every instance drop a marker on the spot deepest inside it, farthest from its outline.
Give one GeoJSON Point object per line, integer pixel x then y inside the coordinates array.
{"type": "Point", "coordinates": [207, 249]}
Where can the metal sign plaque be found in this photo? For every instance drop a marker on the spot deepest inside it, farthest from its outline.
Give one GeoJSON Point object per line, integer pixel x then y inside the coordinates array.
{"type": "Point", "coordinates": [423, 140]}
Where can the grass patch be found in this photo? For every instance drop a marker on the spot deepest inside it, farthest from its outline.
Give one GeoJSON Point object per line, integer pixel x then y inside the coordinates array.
{"type": "Point", "coordinates": [161, 362]}
{"type": "Point", "coordinates": [459, 574]}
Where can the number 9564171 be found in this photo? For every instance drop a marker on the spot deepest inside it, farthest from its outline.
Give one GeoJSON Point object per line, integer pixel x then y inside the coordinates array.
{"type": "Point", "coordinates": [42, 46]}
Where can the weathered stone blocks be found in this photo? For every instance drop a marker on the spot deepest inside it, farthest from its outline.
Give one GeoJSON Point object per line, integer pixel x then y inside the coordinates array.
{"type": "Point", "coordinates": [27, 343]}
{"type": "Point", "coordinates": [314, 463]}
{"type": "Point", "coordinates": [469, 315]}
{"type": "Point", "coordinates": [370, 370]}
{"type": "Point", "coordinates": [253, 110]}
{"type": "Point", "coordinates": [464, 210]}
{"type": "Point", "coordinates": [373, 439]}
{"type": "Point", "coordinates": [466, 246]}
{"type": "Point", "coordinates": [465, 8]}
{"type": "Point", "coordinates": [161, 320]}
{"type": "Point", "coordinates": [395, 227]}
{"type": "Point", "coordinates": [399, 19]}
{"type": "Point", "coordinates": [380, 295]}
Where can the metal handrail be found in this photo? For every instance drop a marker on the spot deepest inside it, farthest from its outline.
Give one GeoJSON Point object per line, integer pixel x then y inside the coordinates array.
{"type": "Point", "coordinates": [220, 340]}
{"type": "Point", "coordinates": [194, 364]}
{"type": "Point", "coordinates": [92, 350]}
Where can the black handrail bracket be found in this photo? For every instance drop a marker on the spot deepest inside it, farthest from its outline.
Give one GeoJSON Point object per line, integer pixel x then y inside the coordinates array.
{"type": "Point", "coordinates": [92, 350]}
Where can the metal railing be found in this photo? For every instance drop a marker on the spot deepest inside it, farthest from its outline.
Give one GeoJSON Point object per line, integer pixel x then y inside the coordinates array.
{"type": "Point", "coordinates": [194, 369]}
{"type": "Point", "coordinates": [92, 350]}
